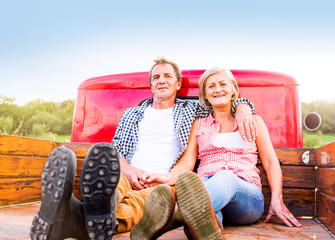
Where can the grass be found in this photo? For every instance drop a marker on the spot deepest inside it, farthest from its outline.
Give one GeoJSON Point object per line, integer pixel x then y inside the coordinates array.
{"type": "Point", "coordinates": [53, 137]}
{"type": "Point", "coordinates": [327, 138]}
{"type": "Point", "coordinates": [315, 140]}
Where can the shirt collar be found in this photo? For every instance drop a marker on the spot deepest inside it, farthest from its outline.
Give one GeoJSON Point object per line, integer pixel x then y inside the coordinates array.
{"type": "Point", "coordinates": [148, 102]}
{"type": "Point", "coordinates": [211, 119]}
{"type": "Point", "coordinates": [144, 105]}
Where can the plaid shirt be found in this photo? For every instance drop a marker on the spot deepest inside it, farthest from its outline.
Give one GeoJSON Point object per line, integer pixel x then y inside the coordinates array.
{"type": "Point", "coordinates": [184, 113]}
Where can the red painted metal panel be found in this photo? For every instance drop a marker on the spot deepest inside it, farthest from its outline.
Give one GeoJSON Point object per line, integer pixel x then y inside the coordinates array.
{"type": "Point", "coordinates": [190, 79]}
{"type": "Point", "coordinates": [102, 100]}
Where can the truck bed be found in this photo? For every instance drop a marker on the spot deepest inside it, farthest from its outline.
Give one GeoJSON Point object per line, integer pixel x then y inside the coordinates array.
{"type": "Point", "coordinates": [15, 223]}
{"type": "Point", "coordinates": [308, 189]}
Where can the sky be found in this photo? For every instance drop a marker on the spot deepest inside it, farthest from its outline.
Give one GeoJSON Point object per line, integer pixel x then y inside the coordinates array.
{"type": "Point", "coordinates": [47, 48]}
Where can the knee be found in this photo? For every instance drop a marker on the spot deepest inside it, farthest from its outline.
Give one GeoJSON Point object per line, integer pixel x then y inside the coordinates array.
{"type": "Point", "coordinates": [245, 213]}
{"type": "Point", "coordinates": [226, 173]}
{"type": "Point", "coordinates": [223, 182]}
{"type": "Point", "coordinates": [226, 177]}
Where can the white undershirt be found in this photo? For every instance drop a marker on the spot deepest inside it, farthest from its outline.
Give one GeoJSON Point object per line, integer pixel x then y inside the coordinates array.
{"type": "Point", "coordinates": [158, 145]}
{"type": "Point", "coordinates": [229, 140]}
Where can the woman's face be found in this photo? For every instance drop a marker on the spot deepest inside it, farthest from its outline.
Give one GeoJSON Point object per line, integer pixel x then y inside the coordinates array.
{"type": "Point", "coordinates": [218, 90]}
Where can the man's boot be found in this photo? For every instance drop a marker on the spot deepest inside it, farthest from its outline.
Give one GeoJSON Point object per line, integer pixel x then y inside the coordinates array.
{"type": "Point", "coordinates": [196, 208]}
{"type": "Point", "coordinates": [61, 214]}
{"type": "Point", "coordinates": [98, 181]}
{"type": "Point", "coordinates": [158, 211]}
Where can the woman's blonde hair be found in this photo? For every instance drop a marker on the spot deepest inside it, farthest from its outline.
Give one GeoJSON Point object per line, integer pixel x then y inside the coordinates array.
{"type": "Point", "coordinates": [202, 84]}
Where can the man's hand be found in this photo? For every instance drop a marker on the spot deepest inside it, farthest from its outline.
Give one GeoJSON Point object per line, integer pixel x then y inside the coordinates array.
{"type": "Point", "coordinates": [157, 179]}
{"type": "Point", "coordinates": [245, 122]}
{"type": "Point", "coordinates": [137, 177]}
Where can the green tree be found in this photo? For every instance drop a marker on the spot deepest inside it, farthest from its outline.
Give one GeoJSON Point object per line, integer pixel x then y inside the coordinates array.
{"type": "Point", "coordinates": [39, 130]}
{"type": "Point", "coordinates": [36, 117]}
{"type": "Point", "coordinates": [6, 125]}
{"type": "Point", "coordinates": [65, 112]}
{"type": "Point", "coordinates": [49, 122]}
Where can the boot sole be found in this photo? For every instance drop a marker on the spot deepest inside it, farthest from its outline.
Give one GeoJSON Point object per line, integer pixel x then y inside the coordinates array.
{"type": "Point", "coordinates": [158, 210]}
{"type": "Point", "coordinates": [196, 208]}
{"type": "Point", "coordinates": [58, 170]}
{"type": "Point", "coordinates": [99, 178]}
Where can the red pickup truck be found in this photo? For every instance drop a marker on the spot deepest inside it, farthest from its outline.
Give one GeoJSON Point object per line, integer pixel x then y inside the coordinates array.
{"type": "Point", "coordinates": [102, 100]}
{"type": "Point", "coordinates": [308, 173]}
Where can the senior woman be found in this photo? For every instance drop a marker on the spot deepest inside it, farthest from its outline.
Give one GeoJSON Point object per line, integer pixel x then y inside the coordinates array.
{"type": "Point", "coordinates": [231, 183]}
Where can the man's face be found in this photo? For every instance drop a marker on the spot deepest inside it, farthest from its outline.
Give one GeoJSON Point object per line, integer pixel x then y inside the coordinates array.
{"type": "Point", "coordinates": [164, 83]}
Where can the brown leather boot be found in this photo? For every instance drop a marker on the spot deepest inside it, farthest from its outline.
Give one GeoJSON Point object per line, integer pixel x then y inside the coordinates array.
{"type": "Point", "coordinates": [158, 210]}
{"type": "Point", "coordinates": [176, 221]}
{"type": "Point", "coordinates": [196, 208]}
{"type": "Point", "coordinates": [189, 234]}
{"type": "Point", "coordinates": [61, 214]}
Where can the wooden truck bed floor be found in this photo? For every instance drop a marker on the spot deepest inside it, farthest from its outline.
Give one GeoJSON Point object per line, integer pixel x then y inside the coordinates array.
{"type": "Point", "coordinates": [15, 223]}
{"type": "Point", "coordinates": [308, 189]}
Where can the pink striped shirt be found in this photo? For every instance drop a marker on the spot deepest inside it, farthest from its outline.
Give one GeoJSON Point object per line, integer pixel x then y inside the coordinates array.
{"type": "Point", "coordinates": [241, 161]}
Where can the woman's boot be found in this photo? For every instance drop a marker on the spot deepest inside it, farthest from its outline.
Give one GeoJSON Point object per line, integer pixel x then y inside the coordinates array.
{"type": "Point", "coordinates": [196, 208]}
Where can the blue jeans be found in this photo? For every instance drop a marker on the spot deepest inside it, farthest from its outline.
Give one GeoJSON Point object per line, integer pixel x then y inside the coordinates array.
{"type": "Point", "coordinates": [239, 201]}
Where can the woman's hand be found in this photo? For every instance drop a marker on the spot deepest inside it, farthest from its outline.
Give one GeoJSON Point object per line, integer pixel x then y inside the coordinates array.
{"type": "Point", "coordinates": [278, 208]}
{"type": "Point", "coordinates": [245, 122]}
{"type": "Point", "coordinates": [157, 179]}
